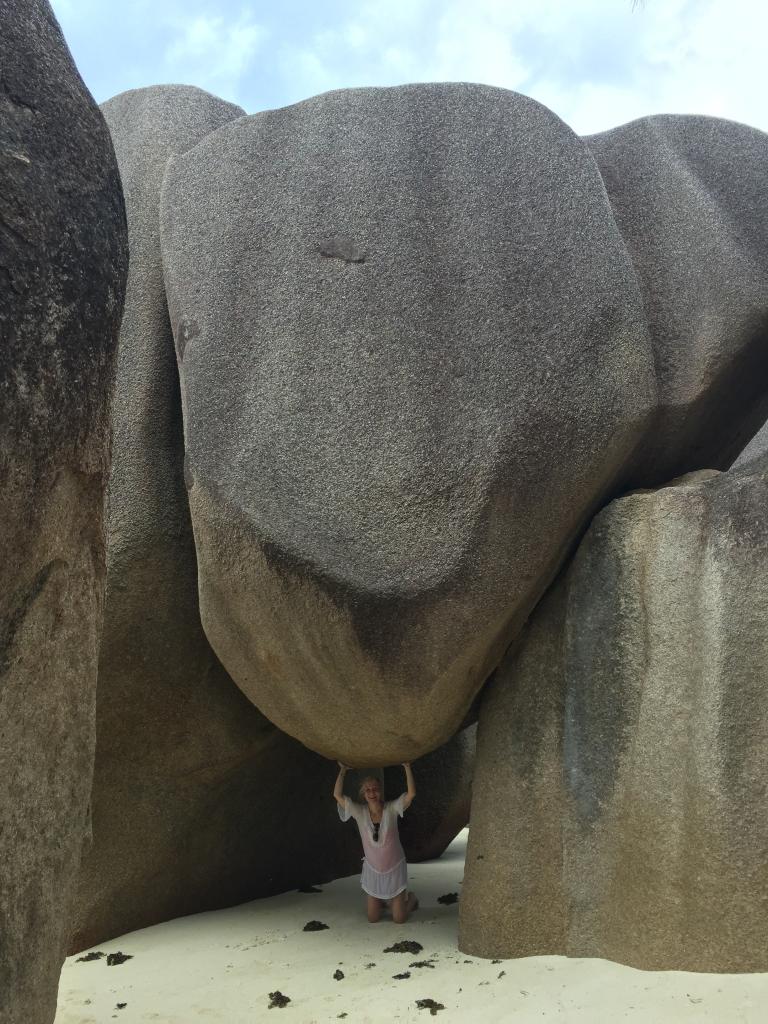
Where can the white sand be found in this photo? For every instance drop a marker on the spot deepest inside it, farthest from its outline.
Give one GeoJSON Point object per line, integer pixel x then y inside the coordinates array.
{"type": "Point", "coordinates": [222, 966]}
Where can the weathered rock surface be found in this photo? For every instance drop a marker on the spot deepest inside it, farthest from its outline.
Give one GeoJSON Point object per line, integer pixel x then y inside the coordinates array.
{"type": "Point", "coordinates": [413, 360]}
{"type": "Point", "coordinates": [443, 796]}
{"type": "Point", "coordinates": [619, 804]}
{"type": "Point", "coordinates": [192, 787]}
{"type": "Point", "coordinates": [63, 261]}
{"type": "Point", "coordinates": [688, 194]}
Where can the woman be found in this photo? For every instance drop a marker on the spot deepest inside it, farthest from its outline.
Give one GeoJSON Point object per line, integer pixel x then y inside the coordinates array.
{"type": "Point", "coordinates": [385, 871]}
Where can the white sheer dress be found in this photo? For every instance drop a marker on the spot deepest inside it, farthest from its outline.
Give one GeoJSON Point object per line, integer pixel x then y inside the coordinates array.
{"type": "Point", "coordinates": [385, 871]}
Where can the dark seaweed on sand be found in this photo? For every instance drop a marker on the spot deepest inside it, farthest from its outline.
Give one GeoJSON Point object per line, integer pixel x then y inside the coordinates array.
{"type": "Point", "coordinates": [449, 897]}
{"type": "Point", "coordinates": [338, 975]}
{"type": "Point", "coordinates": [314, 926]}
{"type": "Point", "coordinates": [120, 1006]}
{"type": "Point", "coordinates": [406, 946]}
{"type": "Point", "coordinates": [118, 958]}
{"type": "Point", "coordinates": [95, 955]}
{"type": "Point", "coordinates": [423, 963]}
{"type": "Point", "coordinates": [278, 999]}
{"type": "Point", "coordinates": [429, 1004]}
{"type": "Point", "coordinates": [400, 977]}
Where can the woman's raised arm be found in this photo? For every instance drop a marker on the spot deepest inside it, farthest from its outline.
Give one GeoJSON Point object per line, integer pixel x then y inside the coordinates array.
{"type": "Point", "coordinates": [411, 784]}
{"type": "Point", "coordinates": [338, 789]}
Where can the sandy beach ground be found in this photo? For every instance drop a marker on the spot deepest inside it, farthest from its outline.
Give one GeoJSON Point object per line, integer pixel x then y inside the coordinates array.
{"type": "Point", "coordinates": [222, 966]}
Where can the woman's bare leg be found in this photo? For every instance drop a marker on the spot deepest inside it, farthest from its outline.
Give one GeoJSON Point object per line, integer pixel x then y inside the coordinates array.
{"type": "Point", "coordinates": [374, 909]}
{"type": "Point", "coordinates": [403, 906]}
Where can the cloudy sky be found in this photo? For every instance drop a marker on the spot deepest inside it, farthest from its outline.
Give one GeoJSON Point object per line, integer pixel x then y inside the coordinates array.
{"type": "Point", "coordinates": [596, 63]}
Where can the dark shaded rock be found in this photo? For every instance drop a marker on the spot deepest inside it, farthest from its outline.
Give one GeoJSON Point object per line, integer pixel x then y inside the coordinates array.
{"type": "Point", "coordinates": [688, 193]}
{"type": "Point", "coordinates": [63, 262]}
{"type": "Point", "coordinates": [388, 459]}
{"type": "Point", "coordinates": [444, 794]}
{"type": "Point", "coordinates": [623, 748]}
{"type": "Point", "coordinates": [189, 776]}
{"type": "Point", "coordinates": [756, 448]}
{"type": "Point", "coordinates": [314, 926]}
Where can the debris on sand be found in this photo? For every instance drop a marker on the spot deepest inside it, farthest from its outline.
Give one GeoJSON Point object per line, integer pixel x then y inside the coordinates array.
{"type": "Point", "coordinates": [501, 974]}
{"type": "Point", "coordinates": [449, 897]}
{"type": "Point", "coordinates": [120, 1006]}
{"type": "Point", "coordinates": [95, 955]}
{"type": "Point", "coordinates": [406, 946]}
{"type": "Point", "coordinates": [495, 961]}
{"type": "Point", "coordinates": [423, 963]}
{"type": "Point", "coordinates": [369, 965]}
{"type": "Point", "coordinates": [278, 999]}
{"type": "Point", "coordinates": [118, 958]}
{"type": "Point", "coordinates": [400, 977]}
{"type": "Point", "coordinates": [308, 888]}
{"type": "Point", "coordinates": [429, 1004]}
{"type": "Point", "coordinates": [338, 975]}
{"type": "Point", "coordinates": [314, 926]}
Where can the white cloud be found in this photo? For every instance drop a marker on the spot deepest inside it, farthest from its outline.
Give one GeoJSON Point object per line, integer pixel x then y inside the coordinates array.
{"type": "Point", "coordinates": [596, 63]}
{"type": "Point", "coordinates": [213, 51]}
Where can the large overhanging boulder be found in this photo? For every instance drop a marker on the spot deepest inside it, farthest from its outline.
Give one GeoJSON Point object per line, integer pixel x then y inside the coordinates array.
{"type": "Point", "coordinates": [413, 359]}
{"type": "Point", "coordinates": [63, 262]}
{"type": "Point", "coordinates": [618, 809]}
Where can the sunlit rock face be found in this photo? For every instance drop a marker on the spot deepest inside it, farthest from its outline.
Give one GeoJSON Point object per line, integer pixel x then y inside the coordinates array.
{"type": "Point", "coordinates": [688, 194]}
{"type": "Point", "coordinates": [63, 263]}
{"type": "Point", "coordinates": [618, 805]}
{"type": "Point", "coordinates": [190, 778]}
{"type": "Point", "coordinates": [413, 360]}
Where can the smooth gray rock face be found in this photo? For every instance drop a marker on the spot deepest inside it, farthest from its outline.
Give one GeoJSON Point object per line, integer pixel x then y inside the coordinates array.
{"type": "Point", "coordinates": [63, 262]}
{"type": "Point", "coordinates": [413, 360]}
{"type": "Point", "coordinates": [190, 778]}
{"type": "Point", "coordinates": [619, 803]}
{"type": "Point", "coordinates": [688, 194]}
